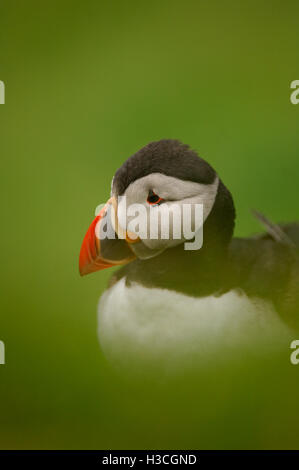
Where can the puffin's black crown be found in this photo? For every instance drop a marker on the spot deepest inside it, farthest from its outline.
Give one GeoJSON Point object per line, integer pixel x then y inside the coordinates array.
{"type": "Point", "coordinates": [169, 157]}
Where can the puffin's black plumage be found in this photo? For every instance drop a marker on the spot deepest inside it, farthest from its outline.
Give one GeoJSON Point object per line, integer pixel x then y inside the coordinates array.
{"type": "Point", "coordinates": [169, 157]}
{"type": "Point", "coordinates": [259, 266]}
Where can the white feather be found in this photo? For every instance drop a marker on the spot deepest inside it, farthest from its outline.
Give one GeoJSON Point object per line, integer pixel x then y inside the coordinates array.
{"type": "Point", "coordinates": [141, 325]}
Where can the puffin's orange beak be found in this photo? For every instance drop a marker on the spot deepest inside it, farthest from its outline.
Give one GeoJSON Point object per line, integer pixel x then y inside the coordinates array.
{"type": "Point", "coordinates": [97, 254]}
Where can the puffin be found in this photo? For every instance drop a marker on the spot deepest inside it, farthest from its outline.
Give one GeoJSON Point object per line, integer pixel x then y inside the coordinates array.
{"type": "Point", "coordinates": [170, 305]}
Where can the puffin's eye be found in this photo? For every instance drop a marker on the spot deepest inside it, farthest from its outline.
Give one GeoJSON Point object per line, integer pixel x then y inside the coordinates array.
{"type": "Point", "coordinates": [153, 198]}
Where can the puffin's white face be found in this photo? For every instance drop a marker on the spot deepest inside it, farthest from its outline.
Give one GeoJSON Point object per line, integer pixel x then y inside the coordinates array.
{"type": "Point", "coordinates": [164, 196]}
{"type": "Point", "coordinates": [161, 195]}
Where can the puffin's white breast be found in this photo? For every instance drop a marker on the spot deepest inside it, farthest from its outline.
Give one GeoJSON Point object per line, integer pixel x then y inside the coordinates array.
{"type": "Point", "coordinates": [138, 324]}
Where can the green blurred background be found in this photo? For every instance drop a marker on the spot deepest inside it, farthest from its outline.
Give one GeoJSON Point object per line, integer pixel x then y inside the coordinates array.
{"type": "Point", "coordinates": [88, 84]}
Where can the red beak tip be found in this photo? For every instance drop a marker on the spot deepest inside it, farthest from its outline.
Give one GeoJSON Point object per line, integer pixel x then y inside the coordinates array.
{"type": "Point", "coordinates": [84, 269]}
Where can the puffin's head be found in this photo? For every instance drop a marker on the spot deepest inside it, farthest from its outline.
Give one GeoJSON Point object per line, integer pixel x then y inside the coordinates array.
{"type": "Point", "coordinates": [161, 178]}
